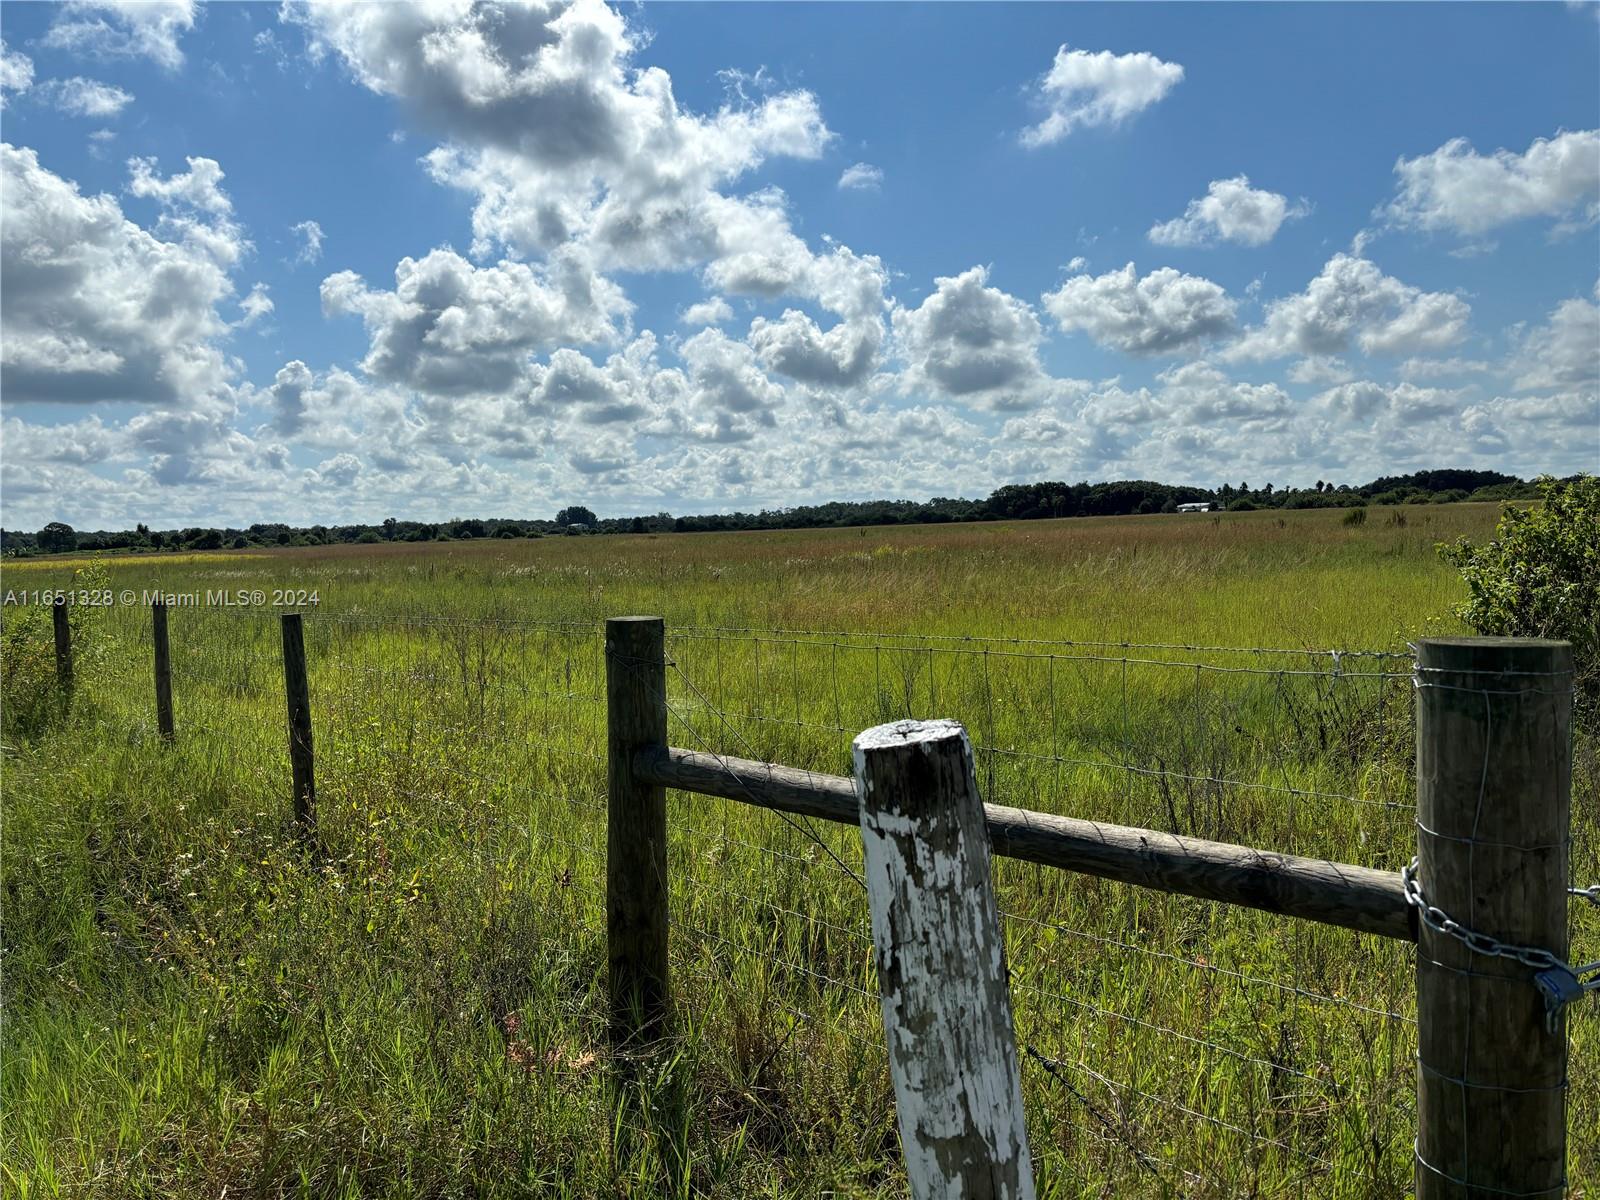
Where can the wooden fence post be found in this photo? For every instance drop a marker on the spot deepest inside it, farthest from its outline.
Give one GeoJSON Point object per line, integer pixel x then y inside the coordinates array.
{"type": "Point", "coordinates": [296, 686]}
{"type": "Point", "coordinates": [941, 963]}
{"type": "Point", "coordinates": [158, 628]}
{"type": "Point", "coordinates": [1494, 775]}
{"type": "Point", "coordinates": [636, 834]}
{"type": "Point", "coordinates": [63, 628]}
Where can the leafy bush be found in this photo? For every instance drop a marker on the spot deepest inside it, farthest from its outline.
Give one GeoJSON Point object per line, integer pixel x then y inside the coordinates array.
{"type": "Point", "coordinates": [30, 698]}
{"type": "Point", "coordinates": [28, 695]}
{"type": "Point", "coordinates": [1540, 576]}
{"type": "Point", "coordinates": [1242, 506]}
{"type": "Point", "coordinates": [1356, 516]}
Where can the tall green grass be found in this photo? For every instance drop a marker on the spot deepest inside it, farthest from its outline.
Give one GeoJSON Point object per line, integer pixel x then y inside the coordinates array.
{"type": "Point", "coordinates": [193, 1004]}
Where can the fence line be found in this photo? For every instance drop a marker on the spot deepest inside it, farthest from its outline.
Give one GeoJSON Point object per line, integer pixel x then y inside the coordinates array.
{"type": "Point", "coordinates": [804, 675]}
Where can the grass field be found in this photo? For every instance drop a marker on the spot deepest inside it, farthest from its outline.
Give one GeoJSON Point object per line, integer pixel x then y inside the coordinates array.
{"type": "Point", "coordinates": [193, 1009]}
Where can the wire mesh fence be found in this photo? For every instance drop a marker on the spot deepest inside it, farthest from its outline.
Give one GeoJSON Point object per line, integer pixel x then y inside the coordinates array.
{"type": "Point", "coordinates": [1194, 1046]}
{"type": "Point", "coordinates": [1181, 1046]}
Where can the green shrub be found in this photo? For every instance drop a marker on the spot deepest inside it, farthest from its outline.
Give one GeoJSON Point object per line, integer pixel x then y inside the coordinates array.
{"type": "Point", "coordinates": [1242, 506]}
{"type": "Point", "coordinates": [1355, 516]}
{"type": "Point", "coordinates": [27, 671]}
{"type": "Point", "coordinates": [1540, 576]}
{"type": "Point", "coordinates": [30, 698]}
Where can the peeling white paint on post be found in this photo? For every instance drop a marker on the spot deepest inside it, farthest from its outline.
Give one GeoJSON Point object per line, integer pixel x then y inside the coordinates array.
{"type": "Point", "coordinates": [941, 964]}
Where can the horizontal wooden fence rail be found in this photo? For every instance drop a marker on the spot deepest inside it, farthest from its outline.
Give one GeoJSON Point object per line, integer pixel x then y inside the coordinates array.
{"type": "Point", "coordinates": [1484, 900]}
{"type": "Point", "coordinates": [1494, 776]}
{"type": "Point", "coordinates": [1357, 898]}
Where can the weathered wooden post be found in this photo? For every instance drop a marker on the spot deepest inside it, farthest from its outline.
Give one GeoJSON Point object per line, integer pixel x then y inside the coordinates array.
{"type": "Point", "coordinates": [158, 628]}
{"type": "Point", "coordinates": [636, 834]}
{"type": "Point", "coordinates": [941, 963]}
{"type": "Point", "coordinates": [1494, 774]}
{"type": "Point", "coordinates": [296, 686]}
{"type": "Point", "coordinates": [63, 628]}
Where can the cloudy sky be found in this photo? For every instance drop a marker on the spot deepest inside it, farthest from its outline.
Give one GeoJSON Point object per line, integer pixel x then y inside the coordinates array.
{"type": "Point", "coordinates": [339, 262]}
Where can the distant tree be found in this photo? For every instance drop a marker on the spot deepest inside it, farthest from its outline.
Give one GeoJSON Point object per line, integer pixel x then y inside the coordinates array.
{"type": "Point", "coordinates": [575, 514]}
{"type": "Point", "coordinates": [208, 539]}
{"type": "Point", "coordinates": [57, 538]}
{"type": "Point", "coordinates": [389, 524]}
{"type": "Point", "coordinates": [636, 525]}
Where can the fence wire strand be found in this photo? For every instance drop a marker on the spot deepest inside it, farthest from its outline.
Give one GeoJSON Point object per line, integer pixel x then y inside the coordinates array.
{"type": "Point", "coordinates": [493, 730]}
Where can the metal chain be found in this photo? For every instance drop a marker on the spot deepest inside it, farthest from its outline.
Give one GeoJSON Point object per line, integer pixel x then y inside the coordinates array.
{"type": "Point", "coordinates": [1558, 982]}
{"type": "Point", "coordinates": [1532, 957]}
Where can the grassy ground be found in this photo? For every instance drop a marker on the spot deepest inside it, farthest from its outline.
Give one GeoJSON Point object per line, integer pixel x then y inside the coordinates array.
{"type": "Point", "coordinates": [193, 1008]}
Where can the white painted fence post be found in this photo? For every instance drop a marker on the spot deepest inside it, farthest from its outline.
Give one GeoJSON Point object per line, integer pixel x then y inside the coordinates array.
{"type": "Point", "coordinates": [941, 964]}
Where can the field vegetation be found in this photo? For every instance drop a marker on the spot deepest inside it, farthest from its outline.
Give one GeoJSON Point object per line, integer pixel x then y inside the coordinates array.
{"type": "Point", "coordinates": [198, 1005]}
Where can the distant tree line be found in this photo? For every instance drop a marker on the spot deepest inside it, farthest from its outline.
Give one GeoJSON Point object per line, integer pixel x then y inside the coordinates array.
{"type": "Point", "coordinates": [1018, 501]}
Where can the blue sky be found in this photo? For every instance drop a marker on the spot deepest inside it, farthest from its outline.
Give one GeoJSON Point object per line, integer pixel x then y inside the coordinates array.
{"type": "Point", "coordinates": [341, 262]}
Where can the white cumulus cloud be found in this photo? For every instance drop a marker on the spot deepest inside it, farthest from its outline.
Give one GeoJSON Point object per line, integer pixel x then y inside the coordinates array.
{"type": "Point", "coordinates": [731, 397]}
{"type": "Point", "coordinates": [16, 71]}
{"type": "Point", "coordinates": [200, 187]}
{"type": "Point", "coordinates": [1083, 89]}
{"type": "Point", "coordinates": [97, 308]}
{"type": "Point", "coordinates": [80, 97]}
{"type": "Point", "coordinates": [973, 343]}
{"type": "Point", "coordinates": [1230, 211]}
{"type": "Point", "coordinates": [451, 327]}
{"type": "Point", "coordinates": [310, 235]}
{"type": "Point", "coordinates": [1165, 312]}
{"type": "Point", "coordinates": [123, 29]}
{"type": "Point", "coordinates": [861, 177]}
{"type": "Point", "coordinates": [562, 139]}
{"type": "Point", "coordinates": [1563, 353]}
{"type": "Point", "coordinates": [712, 311]}
{"type": "Point", "coordinates": [1457, 189]}
{"type": "Point", "coordinates": [794, 345]}
{"type": "Point", "coordinates": [1353, 303]}
{"type": "Point", "coordinates": [256, 306]}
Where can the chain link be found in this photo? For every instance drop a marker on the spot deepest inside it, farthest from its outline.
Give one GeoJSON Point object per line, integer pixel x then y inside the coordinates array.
{"type": "Point", "coordinates": [1532, 957]}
